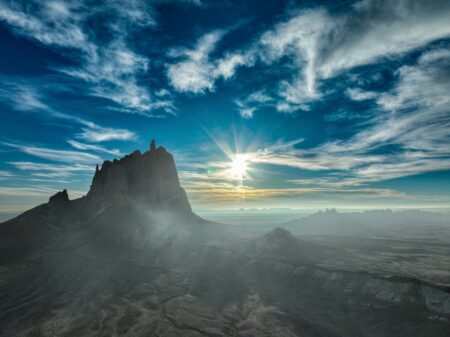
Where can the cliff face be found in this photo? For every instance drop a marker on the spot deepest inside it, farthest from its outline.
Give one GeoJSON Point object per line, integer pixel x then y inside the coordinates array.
{"type": "Point", "coordinates": [148, 178]}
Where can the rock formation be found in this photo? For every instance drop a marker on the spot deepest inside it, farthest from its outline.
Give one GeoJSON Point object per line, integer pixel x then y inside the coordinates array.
{"type": "Point", "coordinates": [148, 178]}
{"type": "Point", "coordinates": [59, 199]}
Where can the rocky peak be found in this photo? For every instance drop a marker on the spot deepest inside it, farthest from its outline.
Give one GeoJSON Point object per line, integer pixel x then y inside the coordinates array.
{"type": "Point", "coordinates": [59, 199]}
{"type": "Point", "coordinates": [148, 178]}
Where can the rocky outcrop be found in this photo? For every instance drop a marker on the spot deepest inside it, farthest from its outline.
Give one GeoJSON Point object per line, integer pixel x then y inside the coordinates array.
{"type": "Point", "coordinates": [59, 199]}
{"type": "Point", "coordinates": [281, 244]}
{"type": "Point", "coordinates": [148, 178]}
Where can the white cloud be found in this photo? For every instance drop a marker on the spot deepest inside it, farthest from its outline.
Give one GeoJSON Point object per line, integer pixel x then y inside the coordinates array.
{"type": "Point", "coordinates": [21, 94]}
{"type": "Point", "coordinates": [27, 191]}
{"type": "Point", "coordinates": [414, 120]}
{"type": "Point", "coordinates": [357, 94]}
{"type": "Point", "coordinates": [58, 168]}
{"type": "Point", "coordinates": [301, 37]}
{"type": "Point", "coordinates": [111, 67]}
{"type": "Point", "coordinates": [64, 156]}
{"type": "Point", "coordinates": [322, 44]}
{"type": "Point", "coordinates": [95, 133]}
{"type": "Point", "coordinates": [35, 191]}
{"type": "Point", "coordinates": [30, 97]}
{"type": "Point", "coordinates": [252, 102]}
{"type": "Point", "coordinates": [82, 146]}
{"type": "Point", "coordinates": [226, 66]}
{"type": "Point", "coordinates": [5, 174]}
{"type": "Point", "coordinates": [196, 72]}
{"type": "Point", "coordinates": [247, 113]}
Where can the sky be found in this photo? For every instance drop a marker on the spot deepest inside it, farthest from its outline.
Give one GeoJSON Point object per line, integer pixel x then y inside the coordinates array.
{"type": "Point", "coordinates": [264, 104]}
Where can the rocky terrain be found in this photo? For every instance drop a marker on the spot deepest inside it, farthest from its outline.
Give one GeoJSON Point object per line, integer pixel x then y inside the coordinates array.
{"type": "Point", "coordinates": [132, 259]}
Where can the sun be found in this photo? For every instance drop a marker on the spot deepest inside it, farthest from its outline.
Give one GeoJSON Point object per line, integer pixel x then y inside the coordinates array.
{"type": "Point", "coordinates": [239, 167]}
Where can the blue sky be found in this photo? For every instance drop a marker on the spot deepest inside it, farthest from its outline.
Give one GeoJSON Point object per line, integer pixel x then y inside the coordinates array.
{"type": "Point", "coordinates": [303, 104]}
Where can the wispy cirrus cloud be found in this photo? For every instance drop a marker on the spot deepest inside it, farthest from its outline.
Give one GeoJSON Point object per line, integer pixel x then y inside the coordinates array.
{"type": "Point", "coordinates": [323, 44]}
{"type": "Point", "coordinates": [357, 94]}
{"type": "Point", "coordinates": [51, 172]}
{"type": "Point", "coordinates": [201, 188]}
{"type": "Point", "coordinates": [28, 96]}
{"type": "Point", "coordinates": [5, 174]}
{"type": "Point", "coordinates": [111, 68]}
{"type": "Point", "coordinates": [33, 166]}
{"type": "Point", "coordinates": [252, 102]}
{"type": "Point", "coordinates": [22, 94]}
{"type": "Point", "coordinates": [83, 146]}
{"type": "Point", "coordinates": [94, 133]}
{"type": "Point", "coordinates": [414, 121]}
{"type": "Point", "coordinates": [64, 156]}
{"type": "Point", "coordinates": [36, 191]}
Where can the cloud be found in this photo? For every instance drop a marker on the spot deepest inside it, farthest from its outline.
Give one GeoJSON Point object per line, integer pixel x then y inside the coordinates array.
{"type": "Point", "coordinates": [35, 191]}
{"type": "Point", "coordinates": [318, 45]}
{"type": "Point", "coordinates": [5, 174]}
{"type": "Point", "coordinates": [82, 146]}
{"type": "Point", "coordinates": [95, 133]}
{"type": "Point", "coordinates": [28, 96]}
{"type": "Point", "coordinates": [57, 168]}
{"type": "Point", "coordinates": [413, 119]}
{"type": "Point", "coordinates": [108, 64]}
{"type": "Point", "coordinates": [22, 94]}
{"type": "Point", "coordinates": [200, 188]}
{"type": "Point", "coordinates": [357, 94]}
{"type": "Point", "coordinates": [226, 66]}
{"type": "Point", "coordinates": [322, 44]}
{"type": "Point", "coordinates": [247, 113]}
{"type": "Point", "coordinates": [195, 72]}
{"type": "Point", "coordinates": [51, 172]}
{"type": "Point", "coordinates": [56, 155]}
{"type": "Point", "coordinates": [253, 102]}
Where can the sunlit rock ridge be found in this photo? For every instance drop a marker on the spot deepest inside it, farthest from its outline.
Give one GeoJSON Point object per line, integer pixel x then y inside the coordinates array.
{"type": "Point", "coordinates": [148, 178]}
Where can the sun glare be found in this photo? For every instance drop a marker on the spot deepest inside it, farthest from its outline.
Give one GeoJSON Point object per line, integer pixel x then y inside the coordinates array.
{"type": "Point", "coordinates": [239, 167]}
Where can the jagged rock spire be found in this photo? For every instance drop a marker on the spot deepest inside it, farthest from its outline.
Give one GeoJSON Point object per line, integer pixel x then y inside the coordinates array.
{"type": "Point", "coordinates": [143, 178]}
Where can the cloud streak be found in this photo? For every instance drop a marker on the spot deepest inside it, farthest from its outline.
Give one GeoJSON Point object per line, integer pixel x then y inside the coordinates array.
{"type": "Point", "coordinates": [64, 156]}
{"type": "Point", "coordinates": [25, 96]}
{"type": "Point", "coordinates": [83, 146]}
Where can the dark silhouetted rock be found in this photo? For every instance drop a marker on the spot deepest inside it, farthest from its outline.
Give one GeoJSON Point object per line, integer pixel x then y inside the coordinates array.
{"type": "Point", "coordinates": [59, 199]}
{"type": "Point", "coordinates": [148, 178]}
